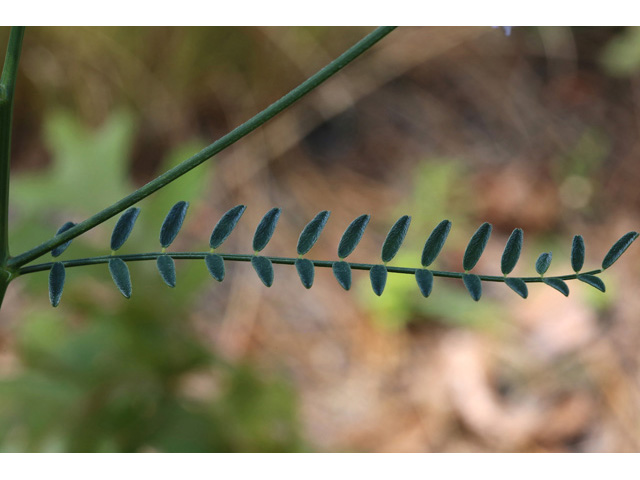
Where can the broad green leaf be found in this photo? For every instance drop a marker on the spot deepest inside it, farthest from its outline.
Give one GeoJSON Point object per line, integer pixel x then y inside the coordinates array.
{"type": "Point", "coordinates": [123, 228]}
{"type": "Point", "coordinates": [594, 281]}
{"type": "Point", "coordinates": [120, 274]}
{"type": "Point", "coordinates": [511, 252]}
{"type": "Point", "coordinates": [215, 265]}
{"type": "Point", "coordinates": [473, 284]}
{"type": "Point", "coordinates": [577, 253]}
{"type": "Point", "coordinates": [306, 271]}
{"type": "Point", "coordinates": [352, 235]}
{"type": "Point", "coordinates": [543, 262]}
{"type": "Point", "coordinates": [264, 269]}
{"type": "Point", "coordinates": [425, 281]}
{"type": "Point", "coordinates": [225, 226]}
{"type": "Point", "coordinates": [395, 237]}
{"type": "Point", "coordinates": [618, 249]}
{"type": "Point", "coordinates": [265, 229]}
{"type": "Point", "coordinates": [558, 284]}
{"type": "Point", "coordinates": [518, 286]}
{"type": "Point", "coordinates": [172, 223]}
{"type": "Point", "coordinates": [476, 246]}
{"type": "Point", "coordinates": [56, 283]}
{"type": "Point", "coordinates": [435, 242]}
{"type": "Point", "coordinates": [167, 269]}
{"type": "Point", "coordinates": [311, 232]}
{"type": "Point", "coordinates": [378, 276]}
{"type": "Point", "coordinates": [342, 272]}
{"type": "Point", "coordinates": [56, 252]}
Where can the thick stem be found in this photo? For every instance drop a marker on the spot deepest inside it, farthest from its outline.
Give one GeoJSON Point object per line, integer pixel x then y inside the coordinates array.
{"type": "Point", "coordinates": [294, 95]}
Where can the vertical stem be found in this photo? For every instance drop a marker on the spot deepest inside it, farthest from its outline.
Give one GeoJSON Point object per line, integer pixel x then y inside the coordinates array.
{"type": "Point", "coordinates": [7, 89]}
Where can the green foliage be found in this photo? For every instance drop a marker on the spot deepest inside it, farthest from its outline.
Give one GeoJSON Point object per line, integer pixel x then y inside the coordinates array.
{"type": "Point", "coordinates": [435, 242]}
{"type": "Point", "coordinates": [558, 284]}
{"type": "Point", "coordinates": [352, 235]}
{"type": "Point", "coordinates": [265, 229]}
{"type": "Point", "coordinates": [120, 275]}
{"type": "Point", "coordinates": [306, 271]}
{"type": "Point", "coordinates": [342, 272]}
{"type": "Point", "coordinates": [225, 226]}
{"type": "Point", "coordinates": [618, 249]}
{"type": "Point", "coordinates": [424, 278]}
{"type": "Point", "coordinates": [511, 253]}
{"type": "Point", "coordinates": [543, 262]}
{"type": "Point", "coordinates": [473, 284]}
{"type": "Point", "coordinates": [378, 276]}
{"type": "Point", "coordinates": [594, 281]}
{"type": "Point", "coordinates": [173, 223]}
{"type": "Point", "coordinates": [518, 286]}
{"type": "Point", "coordinates": [167, 268]}
{"type": "Point", "coordinates": [215, 265]}
{"type": "Point", "coordinates": [476, 246]}
{"type": "Point", "coordinates": [56, 252]}
{"type": "Point", "coordinates": [311, 232]}
{"type": "Point", "coordinates": [577, 253]}
{"type": "Point", "coordinates": [264, 269]}
{"type": "Point", "coordinates": [56, 283]}
{"type": "Point", "coordinates": [123, 228]}
{"type": "Point", "coordinates": [395, 237]}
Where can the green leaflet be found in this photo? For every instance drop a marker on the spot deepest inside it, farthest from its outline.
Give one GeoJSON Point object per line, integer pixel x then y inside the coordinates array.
{"type": "Point", "coordinates": [120, 274]}
{"type": "Point", "coordinates": [543, 262]}
{"type": "Point", "coordinates": [577, 253]}
{"type": "Point", "coordinates": [306, 271]}
{"type": "Point", "coordinates": [215, 265]}
{"type": "Point", "coordinates": [424, 278]}
{"type": "Point", "coordinates": [435, 242]}
{"type": "Point", "coordinates": [56, 252]}
{"type": "Point", "coordinates": [172, 223]}
{"type": "Point", "coordinates": [167, 269]}
{"type": "Point", "coordinates": [378, 276]}
{"type": "Point", "coordinates": [558, 284]}
{"type": "Point", "coordinates": [618, 249]}
{"type": "Point", "coordinates": [311, 232]}
{"type": "Point", "coordinates": [265, 229]}
{"type": "Point", "coordinates": [123, 228]}
{"type": "Point", "coordinates": [225, 226]}
{"type": "Point", "coordinates": [352, 235]}
{"type": "Point", "coordinates": [342, 272]}
{"type": "Point", "coordinates": [395, 237]}
{"type": "Point", "coordinates": [511, 253]}
{"type": "Point", "coordinates": [594, 281]}
{"type": "Point", "coordinates": [264, 269]}
{"type": "Point", "coordinates": [476, 246]}
{"type": "Point", "coordinates": [56, 283]}
{"type": "Point", "coordinates": [518, 286]}
{"type": "Point", "coordinates": [473, 284]}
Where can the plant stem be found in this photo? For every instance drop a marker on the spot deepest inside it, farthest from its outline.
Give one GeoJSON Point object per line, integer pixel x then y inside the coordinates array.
{"type": "Point", "coordinates": [296, 94]}
{"type": "Point", "coordinates": [137, 257]}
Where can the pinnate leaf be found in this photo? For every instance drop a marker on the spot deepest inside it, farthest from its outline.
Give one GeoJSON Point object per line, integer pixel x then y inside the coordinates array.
{"type": "Point", "coordinates": [378, 276]}
{"type": "Point", "coordinates": [618, 249]}
{"type": "Point", "coordinates": [167, 269]}
{"type": "Point", "coordinates": [511, 253]}
{"type": "Point", "coordinates": [56, 252]}
{"type": "Point", "coordinates": [577, 253]}
{"type": "Point", "coordinates": [225, 226]}
{"type": "Point", "coordinates": [473, 284]}
{"type": "Point", "coordinates": [264, 269]}
{"type": "Point", "coordinates": [342, 272]}
{"type": "Point", "coordinates": [435, 242]}
{"type": "Point", "coordinates": [424, 278]}
{"type": "Point", "coordinates": [395, 237]}
{"type": "Point", "coordinates": [172, 223]}
{"type": "Point", "coordinates": [476, 246]}
{"type": "Point", "coordinates": [518, 286]}
{"type": "Point", "coordinates": [306, 271]}
{"type": "Point", "coordinates": [594, 281]}
{"type": "Point", "coordinates": [56, 283]}
{"type": "Point", "coordinates": [123, 228]}
{"type": "Point", "coordinates": [215, 265]}
{"type": "Point", "coordinates": [352, 235]}
{"type": "Point", "coordinates": [543, 262]}
{"type": "Point", "coordinates": [311, 232]}
{"type": "Point", "coordinates": [558, 284]}
{"type": "Point", "coordinates": [265, 229]}
{"type": "Point", "coordinates": [120, 275]}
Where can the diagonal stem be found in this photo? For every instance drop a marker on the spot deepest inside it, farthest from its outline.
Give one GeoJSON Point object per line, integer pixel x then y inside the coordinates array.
{"type": "Point", "coordinates": [297, 93]}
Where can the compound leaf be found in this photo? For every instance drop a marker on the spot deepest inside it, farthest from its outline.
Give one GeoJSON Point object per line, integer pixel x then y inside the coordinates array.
{"type": "Point", "coordinates": [424, 278]}
{"type": "Point", "coordinates": [342, 272]}
{"type": "Point", "coordinates": [395, 237]}
{"type": "Point", "coordinates": [225, 226]}
{"type": "Point", "coordinates": [378, 276]}
{"type": "Point", "coordinates": [594, 281]}
{"type": "Point", "coordinates": [264, 269]}
{"type": "Point", "coordinates": [56, 252]}
{"type": "Point", "coordinates": [306, 271]}
{"type": "Point", "coordinates": [511, 253]}
{"type": "Point", "coordinates": [618, 249]}
{"type": "Point", "coordinates": [473, 284]}
{"type": "Point", "coordinates": [476, 246]}
{"type": "Point", "coordinates": [352, 235]}
{"type": "Point", "coordinates": [172, 223]}
{"type": "Point", "coordinates": [56, 283]}
{"type": "Point", "coordinates": [265, 229]}
{"type": "Point", "coordinates": [120, 274]}
{"type": "Point", "coordinates": [558, 284]}
{"type": "Point", "coordinates": [311, 232]}
{"type": "Point", "coordinates": [577, 253]}
{"type": "Point", "coordinates": [518, 286]}
{"type": "Point", "coordinates": [167, 269]}
{"type": "Point", "coordinates": [543, 262]}
{"type": "Point", "coordinates": [435, 242]}
{"type": "Point", "coordinates": [123, 228]}
{"type": "Point", "coordinates": [215, 265]}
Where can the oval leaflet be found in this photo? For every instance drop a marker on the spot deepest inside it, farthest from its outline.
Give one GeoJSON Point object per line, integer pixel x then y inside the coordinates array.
{"type": "Point", "coordinates": [378, 277]}
{"type": "Point", "coordinates": [511, 253]}
{"type": "Point", "coordinates": [476, 246]}
{"type": "Point", "coordinates": [395, 237]}
{"type": "Point", "coordinates": [342, 272]}
{"type": "Point", "coordinates": [123, 228]}
{"type": "Point", "coordinates": [265, 229]}
{"type": "Point", "coordinates": [352, 235]}
{"type": "Point", "coordinates": [56, 252]}
{"type": "Point", "coordinates": [577, 253]}
{"type": "Point", "coordinates": [56, 283]}
{"type": "Point", "coordinates": [435, 242]}
{"type": "Point", "coordinates": [215, 265]}
{"type": "Point", "coordinates": [311, 232]}
{"type": "Point", "coordinates": [618, 249]}
{"type": "Point", "coordinates": [264, 269]}
{"type": "Point", "coordinates": [306, 271]}
{"type": "Point", "coordinates": [543, 262]}
{"type": "Point", "coordinates": [473, 284]}
{"type": "Point", "coordinates": [225, 226]}
{"type": "Point", "coordinates": [172, 223]}
{"type": "Point", "coordinates": [167, 268]}
{"type": "Point", "coordinates": [424, 278]}
{"type": "Point", "coordinates": [120, 275]}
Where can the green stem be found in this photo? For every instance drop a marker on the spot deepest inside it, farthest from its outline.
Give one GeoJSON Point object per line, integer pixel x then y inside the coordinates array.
{"type": "Point", "coordinates": [216, 147]}
{"type": "Point", "coordinates": [137, 257]}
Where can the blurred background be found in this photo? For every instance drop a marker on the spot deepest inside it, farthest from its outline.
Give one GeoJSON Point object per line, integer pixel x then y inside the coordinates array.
{"type": "Point", "coordinates": [537, 130]}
